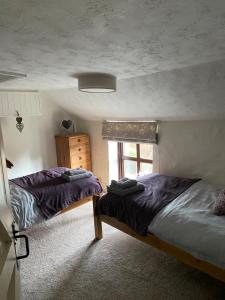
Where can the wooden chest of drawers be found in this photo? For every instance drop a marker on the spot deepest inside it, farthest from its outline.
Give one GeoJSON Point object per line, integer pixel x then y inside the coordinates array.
{"type": "Point", "coordinates": [73, 151]}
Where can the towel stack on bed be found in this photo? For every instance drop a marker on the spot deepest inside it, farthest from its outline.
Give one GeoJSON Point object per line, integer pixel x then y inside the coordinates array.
{"type": "Point", "coordinates": [125, 186]}
{"type": "Point", "coordinates": [75, 174]}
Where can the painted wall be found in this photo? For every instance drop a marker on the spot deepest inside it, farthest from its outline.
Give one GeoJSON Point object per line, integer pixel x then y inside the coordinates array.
{"type": "Point", "coordinates": [99, 149]}
{"type": "Point", "coordinates": [34, 148]}
{"type": "Point", "coordinates": [192, 149]}
{"type": "Point", "coordinates": [195, 149]}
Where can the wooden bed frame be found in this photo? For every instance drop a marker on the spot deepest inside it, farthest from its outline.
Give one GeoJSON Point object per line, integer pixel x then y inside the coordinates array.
{"type": "Point", "coordinates": [77, 204]}
{"type": "Point", "coordinates": [152, 240]}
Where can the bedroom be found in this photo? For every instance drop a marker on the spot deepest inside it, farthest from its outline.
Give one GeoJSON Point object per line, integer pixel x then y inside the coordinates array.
{"type": "Point", "coordinates": [168, 58]}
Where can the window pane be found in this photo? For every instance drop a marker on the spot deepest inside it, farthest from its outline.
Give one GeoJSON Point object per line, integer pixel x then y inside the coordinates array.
{"type": "Point", "coordinates": [113, 162]}
{"type": "Point", "coordinates": [130, 168]}
{"type": "Point", "coordinates": [145, 168]}
{"type": "Point", "coordinates": [146, 151]}
{"type": "Point", "coordinates": [129, 149]}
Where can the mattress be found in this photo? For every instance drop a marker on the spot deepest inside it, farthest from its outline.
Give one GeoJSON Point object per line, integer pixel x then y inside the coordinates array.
{"type": "Point", "coordinates": [189, 223]}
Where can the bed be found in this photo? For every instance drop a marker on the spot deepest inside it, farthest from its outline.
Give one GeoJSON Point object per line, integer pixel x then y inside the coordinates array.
{"type": "Point", "coordinates": [42, 195]}
{"type": "Point", "coordinates": [185, 227]}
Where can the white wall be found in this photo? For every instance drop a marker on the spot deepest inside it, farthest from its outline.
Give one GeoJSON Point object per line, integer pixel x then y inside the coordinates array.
{"type": "Point", "coordinates": [195, 149]}
{"type": "Point", "coordinates": [99, 149]}
{"type": "Point", "coordinates": [192, 149]}
{"type": "Point", "coordinates": [34, 148]}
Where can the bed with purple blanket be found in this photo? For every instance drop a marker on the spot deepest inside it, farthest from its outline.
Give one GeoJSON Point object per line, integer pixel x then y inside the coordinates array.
{"type": "Point", "coordinates": [139, 209]}
{"type": "Point", "coordinates": [42, 195]}
{"type": "Point", "coordinates": [173, 214]}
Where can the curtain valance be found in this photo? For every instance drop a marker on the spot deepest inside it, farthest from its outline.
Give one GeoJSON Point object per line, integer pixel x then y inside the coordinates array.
{"type": "Point", "coordinates": [137, 132]}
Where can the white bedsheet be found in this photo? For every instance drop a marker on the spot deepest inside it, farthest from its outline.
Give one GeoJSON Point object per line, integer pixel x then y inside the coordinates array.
{"type": "Point", "coordinates": [25, 210]}
{"type": "Point", "coordinates": [189, 223]}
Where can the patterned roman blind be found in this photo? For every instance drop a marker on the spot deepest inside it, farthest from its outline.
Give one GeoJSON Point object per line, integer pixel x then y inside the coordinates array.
{"type": "Point", "coordinates": [137, 132]}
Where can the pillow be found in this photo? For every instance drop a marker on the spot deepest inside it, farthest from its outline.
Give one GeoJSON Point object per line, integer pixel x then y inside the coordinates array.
{"type": "Point", "coordinates": [219, 208]}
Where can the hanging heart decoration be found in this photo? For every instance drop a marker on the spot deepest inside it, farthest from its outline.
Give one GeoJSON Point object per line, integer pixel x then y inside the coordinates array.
{"type": "Point", "coordinates": [67, 124]}
{"type": "Point", "coordinates": [19, 124]}
{"type": "Point", "coordinates": [20, 127]}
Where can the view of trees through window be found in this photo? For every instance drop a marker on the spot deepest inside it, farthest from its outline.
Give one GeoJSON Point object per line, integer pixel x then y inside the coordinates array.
{"type": "Point", "coordinates": [129, 159]}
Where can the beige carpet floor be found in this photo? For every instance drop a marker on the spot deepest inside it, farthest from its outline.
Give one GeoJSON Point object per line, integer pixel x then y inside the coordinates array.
{"type": "Point", "coordinates": [65, 263]}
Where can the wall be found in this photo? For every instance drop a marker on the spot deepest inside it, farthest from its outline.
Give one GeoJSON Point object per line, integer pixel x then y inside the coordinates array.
{"type": "Point", "coordinates": [34, 148]}
{"type": "Point", "coordinates": [99, 149]}
{"type": "Point", "coordinates": [195, 149]}
{"type": "Point", "coordinates": [192, 149]}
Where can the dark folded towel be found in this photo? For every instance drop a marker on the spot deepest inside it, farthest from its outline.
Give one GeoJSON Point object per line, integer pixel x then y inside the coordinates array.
{"type": "Point", "coordinates": [76, 177]}
{"type": "Point", "coordinates": [123, 183]}
{"type": "Point", "coordinates": [76, 171]}
{"type": "Point", "coordinates": [139, 187]}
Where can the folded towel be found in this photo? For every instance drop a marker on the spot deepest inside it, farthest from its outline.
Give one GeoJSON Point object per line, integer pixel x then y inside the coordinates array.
{"type": "Point", "coordinates": [76, 171]}
{"type": "Point", "coordinates": [139, 187]}
{"type": "Point", "coordinates": [76, 177]}
{"type": "Point", "coordinates": [123, 183]}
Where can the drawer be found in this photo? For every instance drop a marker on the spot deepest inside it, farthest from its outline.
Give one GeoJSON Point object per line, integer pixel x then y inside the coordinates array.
{"type": "Point", "coordinates": [84, 164]}
{"type": "Point", "coordinates": [76, 141]}
{"type": "Point", "coordinates": [75, 152]}
{"type": "Point", "coordinates": [81, 156]}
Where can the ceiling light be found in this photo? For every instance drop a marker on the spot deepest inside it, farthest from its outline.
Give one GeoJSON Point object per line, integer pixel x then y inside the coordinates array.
{"type": "Point", "coordinates": [96, 83]}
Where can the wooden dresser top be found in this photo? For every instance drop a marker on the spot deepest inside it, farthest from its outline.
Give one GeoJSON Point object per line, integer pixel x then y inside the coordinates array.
{"type": "Point", "coordinates": [71, 135]}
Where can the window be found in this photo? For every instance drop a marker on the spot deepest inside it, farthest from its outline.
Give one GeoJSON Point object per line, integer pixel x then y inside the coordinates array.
{"type": "Point", "coordinates": [129, 159]}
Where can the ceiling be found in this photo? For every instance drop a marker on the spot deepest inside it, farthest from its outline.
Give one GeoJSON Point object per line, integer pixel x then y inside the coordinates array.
{"type": "Point", "coordinates": [51, 40]}
{"type": "Point", "coordinates": [191, 93]}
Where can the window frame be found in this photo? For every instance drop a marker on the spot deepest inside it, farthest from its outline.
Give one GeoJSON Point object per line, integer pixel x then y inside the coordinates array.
{"type": "Point", "coordinates": [122, 157]}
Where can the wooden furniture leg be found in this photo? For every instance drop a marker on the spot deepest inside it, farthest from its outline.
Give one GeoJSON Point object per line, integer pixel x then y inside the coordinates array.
{"type": "Point", "coordinates": [97, 220]}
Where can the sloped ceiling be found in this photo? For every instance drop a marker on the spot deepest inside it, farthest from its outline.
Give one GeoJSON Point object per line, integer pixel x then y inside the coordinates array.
{"type": "Point", "coordinates": [191, 93]}
{"type": "Point", "coordinates": [51, 40]}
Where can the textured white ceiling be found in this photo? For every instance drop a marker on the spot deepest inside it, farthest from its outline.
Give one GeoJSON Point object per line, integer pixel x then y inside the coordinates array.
{"type": "Point", "coordinates": [191, 93]}
{"type": "Point", "coordinates": [50, 40]}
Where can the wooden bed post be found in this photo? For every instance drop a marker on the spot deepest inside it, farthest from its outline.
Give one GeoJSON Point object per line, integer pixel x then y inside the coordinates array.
{"type": "Point", "coordinates": [97, 220]}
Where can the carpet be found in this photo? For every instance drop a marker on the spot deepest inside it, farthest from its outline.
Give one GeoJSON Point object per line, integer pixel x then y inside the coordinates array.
{"type": "Point", "coordinates": [66, 263]}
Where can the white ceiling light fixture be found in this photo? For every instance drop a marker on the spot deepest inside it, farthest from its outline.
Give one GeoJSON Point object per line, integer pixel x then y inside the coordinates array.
{"type": "Point", "coordinates": [96, 83]}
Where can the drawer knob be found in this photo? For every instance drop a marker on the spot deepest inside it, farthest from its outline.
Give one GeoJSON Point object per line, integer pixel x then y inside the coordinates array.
{"type": "Point", "coordinates": [79, 149]}
{"type": "Point", "coordinates": [80, 157]}
{"type": "Point", "coordinates": [78, 140]}
{"type": "Point", "coordinates": [80, 166]}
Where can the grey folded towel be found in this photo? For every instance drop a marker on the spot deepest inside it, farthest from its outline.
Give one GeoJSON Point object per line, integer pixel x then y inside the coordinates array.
{"type": "Point", "coordinates": [123, 183]}
{"type": "Point", "coordinates": [139, 187]}
{"type": "Point", "coordinates": [76, 177]}
{"type": "Point", "coordinates": [76, 171]}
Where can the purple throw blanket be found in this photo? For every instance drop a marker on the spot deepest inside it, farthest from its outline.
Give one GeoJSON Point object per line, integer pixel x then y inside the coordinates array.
{"type": "Point", "coordinates": [139, 209]}
{"type": "Point", "coordinates": [53, 193]}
